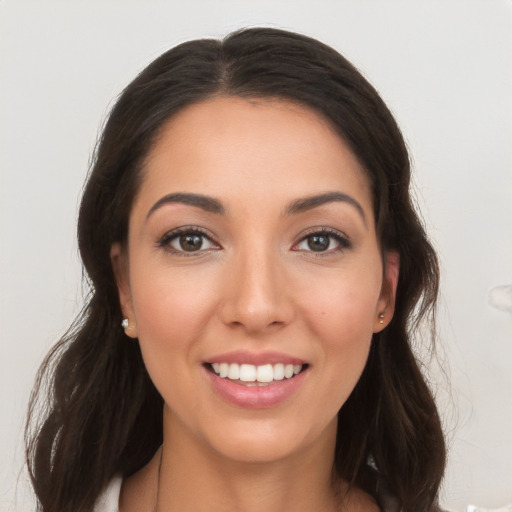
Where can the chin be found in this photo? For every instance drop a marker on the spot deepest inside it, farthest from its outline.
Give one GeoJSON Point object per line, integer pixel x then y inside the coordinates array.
{"type": "Point", "coordinates": [258, 450]}
{"type": "Point", "coordinates": [267, 443]}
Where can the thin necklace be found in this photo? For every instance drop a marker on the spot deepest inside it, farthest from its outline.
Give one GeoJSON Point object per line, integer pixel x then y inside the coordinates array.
{"type": "Point", "coordinates": [157, 493]}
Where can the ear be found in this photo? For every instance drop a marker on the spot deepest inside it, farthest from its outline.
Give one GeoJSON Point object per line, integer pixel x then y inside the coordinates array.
{"type": "Point", "coordinates": [386, 303]}
{"type": "Point", "coordinates": [119, 260]}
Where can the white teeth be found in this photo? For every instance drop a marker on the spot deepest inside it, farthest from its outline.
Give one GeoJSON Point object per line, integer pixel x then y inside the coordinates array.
{"type": "Point", "coordinates": [265, 373]}
{"type": "Point", "coordinates": [234, 371]}
{"type": "Point", "coordinates": [247, 372]}
{"type": "Point", "coordinates": [251, 373]}
{"type": "Point", "coordinates": [279, 371]}
{"type": "Point", "coordinates": [223, 370]}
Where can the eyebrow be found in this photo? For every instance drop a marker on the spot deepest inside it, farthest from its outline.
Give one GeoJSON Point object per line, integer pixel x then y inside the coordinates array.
{"type": "Point", "coordinates": [206, 203]}
{"type": "Point", "coordinates": [212, 205]}
{"type": "Point", "coordinates": [311, 202]}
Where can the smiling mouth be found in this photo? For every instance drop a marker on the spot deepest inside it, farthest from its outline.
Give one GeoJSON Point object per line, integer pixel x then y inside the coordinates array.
{"type": "Point", "coordinates": [256, 375]}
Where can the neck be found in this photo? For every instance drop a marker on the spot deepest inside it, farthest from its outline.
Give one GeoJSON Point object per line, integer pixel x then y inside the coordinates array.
{"type": "Point", "coordinates": [193, 476]}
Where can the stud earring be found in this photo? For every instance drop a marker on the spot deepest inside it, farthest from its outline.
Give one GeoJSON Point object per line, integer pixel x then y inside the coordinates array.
{"type": "Point", "coordinates": [125, 323]}
{"type": "Point", "coordinates": [381, 318]}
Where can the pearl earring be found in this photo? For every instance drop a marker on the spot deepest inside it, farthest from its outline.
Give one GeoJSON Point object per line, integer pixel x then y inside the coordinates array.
{"type": "Point", "coordinates": [381, 318]}
{"type": "Point", "coordinates": [125, 323]}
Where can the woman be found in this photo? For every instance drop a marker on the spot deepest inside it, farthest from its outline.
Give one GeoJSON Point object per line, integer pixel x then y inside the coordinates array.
{"type": "Point", "coordinates": [257, 271]}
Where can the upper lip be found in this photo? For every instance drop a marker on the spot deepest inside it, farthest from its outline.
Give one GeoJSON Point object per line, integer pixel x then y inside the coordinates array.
{"type": "Point", "coordinates": [256, 358]}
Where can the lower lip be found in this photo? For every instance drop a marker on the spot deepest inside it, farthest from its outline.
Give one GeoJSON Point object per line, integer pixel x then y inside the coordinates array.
{"type": "Point", "coordinates": [256, 397]}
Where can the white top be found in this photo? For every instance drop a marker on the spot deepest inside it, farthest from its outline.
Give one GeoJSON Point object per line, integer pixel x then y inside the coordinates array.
{"type": "Point", "coordinates": [108, 500]}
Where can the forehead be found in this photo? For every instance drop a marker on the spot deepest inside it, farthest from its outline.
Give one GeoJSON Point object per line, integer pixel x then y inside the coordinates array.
{"type": "Point", "coordinates": [251, 148]}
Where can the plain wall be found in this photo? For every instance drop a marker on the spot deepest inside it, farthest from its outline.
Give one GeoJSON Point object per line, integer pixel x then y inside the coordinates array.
{"type": "Point", "coordinates": [442, 66]}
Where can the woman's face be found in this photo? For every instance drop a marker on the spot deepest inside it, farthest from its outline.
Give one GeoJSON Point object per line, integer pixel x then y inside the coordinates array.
{"type": "Point", "coordinates": [252, 255]}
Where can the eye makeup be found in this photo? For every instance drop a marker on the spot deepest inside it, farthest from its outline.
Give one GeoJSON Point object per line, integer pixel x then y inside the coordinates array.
{"type": "Point", "coordinates": [187, 241]}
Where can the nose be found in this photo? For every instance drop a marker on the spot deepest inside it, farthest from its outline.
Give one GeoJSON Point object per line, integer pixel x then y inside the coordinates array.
{"type": "Point", "coordinates": [256, 296]}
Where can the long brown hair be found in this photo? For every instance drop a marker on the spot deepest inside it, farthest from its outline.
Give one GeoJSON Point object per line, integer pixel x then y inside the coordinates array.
{"type": "Point", "coordinates": [102, 414]}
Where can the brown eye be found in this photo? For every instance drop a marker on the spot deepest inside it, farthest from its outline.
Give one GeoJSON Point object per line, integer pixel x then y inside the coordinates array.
{"type": "Point", "coordinates": [187, 240]}
{"type": "Point", "coordinates": [190, 242]}
{"type": "Point", "coordinates": [325, 240]}
{"type": "Point", "coordinates": [318, 243]}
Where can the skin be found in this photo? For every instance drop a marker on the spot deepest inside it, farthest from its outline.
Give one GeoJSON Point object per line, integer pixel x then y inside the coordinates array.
{"type": "Point", "coordinates": [255, 284]}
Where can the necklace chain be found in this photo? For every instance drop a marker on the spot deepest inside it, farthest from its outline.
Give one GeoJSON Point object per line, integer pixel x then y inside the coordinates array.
{"type": "Point", "coordinates": [157, 492]}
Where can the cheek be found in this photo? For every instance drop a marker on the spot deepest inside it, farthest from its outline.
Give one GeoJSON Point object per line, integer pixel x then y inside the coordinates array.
{"type": "Point", "coordinates": [170, 302]}
{"type": "Point", "coordinates": [172, 310]}
{"type": "Point", "coordinates": [341, 313]}
{"type": "Point", "coordinates": [342, 307]}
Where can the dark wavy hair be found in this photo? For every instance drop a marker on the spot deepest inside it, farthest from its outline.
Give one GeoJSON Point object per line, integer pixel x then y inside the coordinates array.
{"type": "Point", "coordinates": [94, 411]}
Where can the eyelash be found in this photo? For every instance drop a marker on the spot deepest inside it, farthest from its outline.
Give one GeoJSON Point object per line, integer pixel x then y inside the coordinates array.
{"type": "Point", "coordinates": [170, 236]}
{"type": "Point", "coordinates": [166, 240]}
{"type": "Point", "coordinates": [333, 234]}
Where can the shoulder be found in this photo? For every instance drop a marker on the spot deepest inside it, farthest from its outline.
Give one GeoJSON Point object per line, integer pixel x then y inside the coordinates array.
{"type": "Point", "coordinates": [108, 500]}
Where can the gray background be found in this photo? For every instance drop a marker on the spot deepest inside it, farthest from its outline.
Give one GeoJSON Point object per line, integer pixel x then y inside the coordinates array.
{"type": "Point", "coordinates": [442, 66]}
